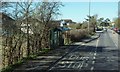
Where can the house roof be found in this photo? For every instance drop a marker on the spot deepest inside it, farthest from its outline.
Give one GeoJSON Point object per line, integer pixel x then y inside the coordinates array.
{"type": "Point", "coordinates": [3, 15]}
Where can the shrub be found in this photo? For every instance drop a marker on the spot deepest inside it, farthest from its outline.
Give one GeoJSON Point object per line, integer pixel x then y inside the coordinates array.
{"type": "Point", "coordinates": [78, 35]}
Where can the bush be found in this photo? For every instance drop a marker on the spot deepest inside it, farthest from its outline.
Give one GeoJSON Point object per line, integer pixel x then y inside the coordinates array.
{"type": "Point", "coordinates": [78, 35]}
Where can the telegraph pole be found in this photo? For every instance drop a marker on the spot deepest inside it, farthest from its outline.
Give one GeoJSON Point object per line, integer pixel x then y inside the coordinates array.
{"type": "Point", "coordinates": [89, 16]}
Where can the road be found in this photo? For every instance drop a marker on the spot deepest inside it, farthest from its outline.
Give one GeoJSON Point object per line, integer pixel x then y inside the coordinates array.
{"type": "Point", "coordinates": [98, 55]}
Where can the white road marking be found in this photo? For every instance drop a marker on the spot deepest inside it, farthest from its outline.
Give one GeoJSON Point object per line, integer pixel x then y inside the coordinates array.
{"type": "Point", "coordinates": [51, 68]}
{"type": "Point", "coordinates": [62, 62]}
{"type": "Point", "coordinates": [81, 58]}
{"type": "Point", "coordinates": [93, 62]}
{"type": "Point", "coordinates": [74, 65]}
{"type": "Point", "coordinates": [83, 44]}
{"type": "Point", "coordinates": [67, 62]}
{"type": "Point", "coordinates": [69, 65]}
{"type": "Point", "coordinates": [63, 55]}
{"type": "Point", "coordinates": [81, 65]}
{"type": "Point", "coordinates": [92, 68]}
{"type": "Point", "coordinates": [97, 43]}
{"type": "Point", "coordinates": [95, 54]}
{"type": "Point", "coordinates": [77, 57]}
{"type": "Point", "coordinates": [70, 57]}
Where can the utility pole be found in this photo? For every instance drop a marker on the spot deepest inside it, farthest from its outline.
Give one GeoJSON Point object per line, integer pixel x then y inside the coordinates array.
{"type": "Point", "coordinates": [89, 16]}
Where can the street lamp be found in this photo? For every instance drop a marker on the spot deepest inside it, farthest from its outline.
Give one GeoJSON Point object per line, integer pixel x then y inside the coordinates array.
{"type": "Point", "coordinates": [89, 16]}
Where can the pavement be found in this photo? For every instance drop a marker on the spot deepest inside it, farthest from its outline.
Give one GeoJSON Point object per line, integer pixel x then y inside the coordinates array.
{"type": "Point", "coordinates": [99, 54]}
{"type": "Point", "coordinates": [45, 61]}
{"type": "Point", "coordinates": [91, 38]}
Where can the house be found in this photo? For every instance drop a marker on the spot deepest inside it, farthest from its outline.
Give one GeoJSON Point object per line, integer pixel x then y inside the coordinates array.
{"type": "Point", "coordinates": [34, 25]}
{"type": "Point", "coordinates": [68, 21]}
{"type": "Point", "coordinates": [24, 28]}
{"type": "Point", "coordinates": [7, 24]}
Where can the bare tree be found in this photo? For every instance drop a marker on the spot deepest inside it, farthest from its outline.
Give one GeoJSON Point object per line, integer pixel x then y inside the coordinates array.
{"type": "Point", "coordinates": [15, 40]}
{"type": "Point", "coordinates": [37, 18]}
{"type": "Point", "coordinates": [46, 13]}
{"type": "Point", "coordinates": [26, 10]}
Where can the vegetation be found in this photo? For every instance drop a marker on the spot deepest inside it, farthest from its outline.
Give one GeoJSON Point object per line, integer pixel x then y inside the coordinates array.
{"type": "Point", "coordinates": [30, 36]}
{"type": "Point", "coordinates": [78, 35]}
{"type": "Point", "coordinates": [76, 26]}
{"type": "Point", "coordinates": [80, 31]}
{"type": "Point", "coordinates": [117, 22]}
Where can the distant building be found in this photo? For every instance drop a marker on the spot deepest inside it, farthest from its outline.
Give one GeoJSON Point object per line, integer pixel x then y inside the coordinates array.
{"type": "Point", "coordinates": [68, 21]}
{"type": "Point", "coordinates": [62, 22]}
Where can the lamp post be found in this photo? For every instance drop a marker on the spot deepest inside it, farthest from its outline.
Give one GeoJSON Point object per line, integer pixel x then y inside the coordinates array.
{"type": "Point", "coordinates": [89, 16]}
